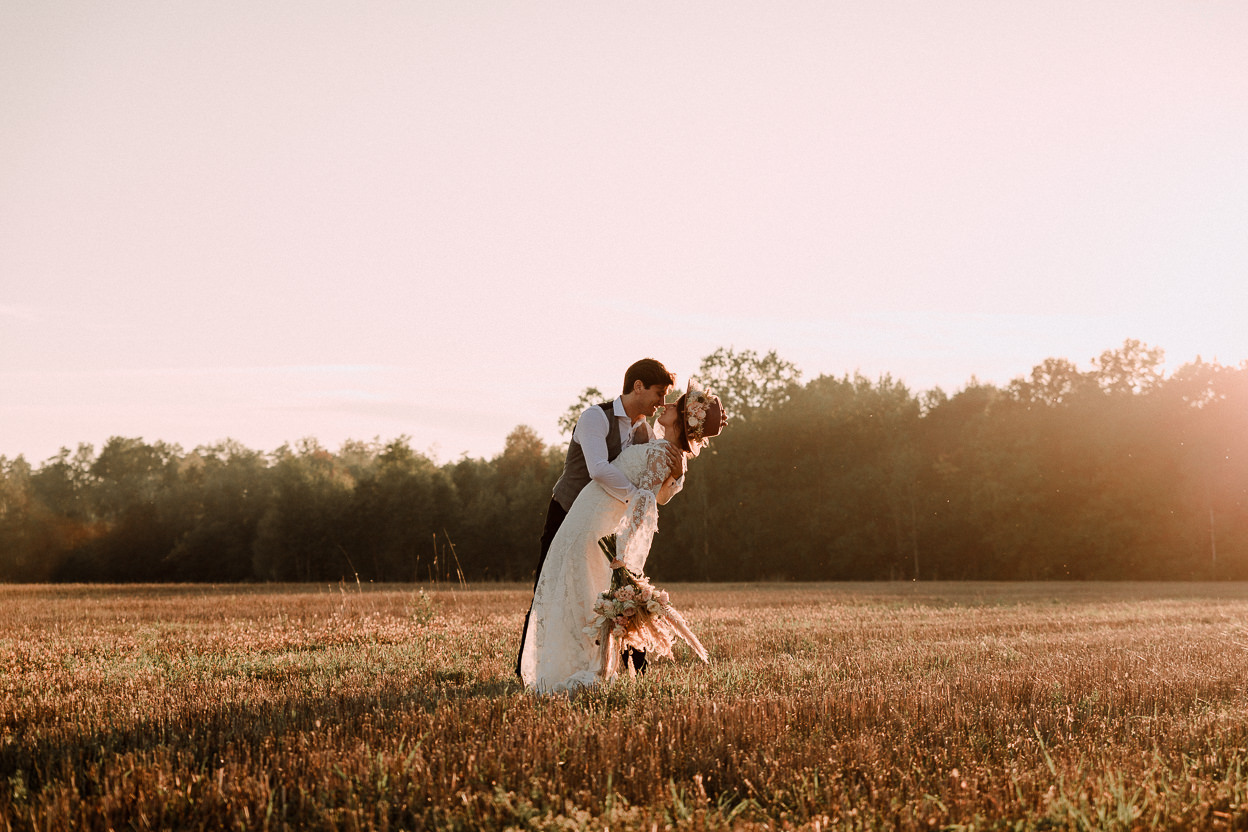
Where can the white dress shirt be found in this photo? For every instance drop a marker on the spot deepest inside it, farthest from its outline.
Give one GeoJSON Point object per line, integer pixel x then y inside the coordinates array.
{"type": "Point", "coordinates": [591, 434]}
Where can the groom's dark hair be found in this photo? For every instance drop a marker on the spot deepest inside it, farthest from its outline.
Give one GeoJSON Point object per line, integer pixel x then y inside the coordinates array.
{"type": "Point", "coordinates": [649, 372]}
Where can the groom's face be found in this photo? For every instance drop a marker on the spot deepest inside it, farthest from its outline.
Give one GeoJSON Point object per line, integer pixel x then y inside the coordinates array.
{"type": "Point", "coordinates": [651, 397]}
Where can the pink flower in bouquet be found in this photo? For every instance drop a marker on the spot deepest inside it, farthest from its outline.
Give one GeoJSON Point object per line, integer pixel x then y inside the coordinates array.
{"type": "Point", "coordinates": [663, 597]}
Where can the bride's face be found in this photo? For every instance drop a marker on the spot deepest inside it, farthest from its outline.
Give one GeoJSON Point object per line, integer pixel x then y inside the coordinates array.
{"type": "Point", "coordinates": [670, 420]}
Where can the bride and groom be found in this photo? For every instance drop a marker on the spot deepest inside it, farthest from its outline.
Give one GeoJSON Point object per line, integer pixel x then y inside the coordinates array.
{"type": "Point", "coordinates": [617, 472]}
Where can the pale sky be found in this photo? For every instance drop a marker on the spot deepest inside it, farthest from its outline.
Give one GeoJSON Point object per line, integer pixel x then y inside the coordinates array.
{"type": "Point", "coordinates": [271, 220]}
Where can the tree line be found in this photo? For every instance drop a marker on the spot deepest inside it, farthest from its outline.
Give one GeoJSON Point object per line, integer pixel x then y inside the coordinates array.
{"type": "Point", "coordinates": [1114, 472]}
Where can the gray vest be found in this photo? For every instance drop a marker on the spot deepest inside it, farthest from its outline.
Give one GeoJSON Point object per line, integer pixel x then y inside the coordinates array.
{"type": "Point", "coordinates": [575, 471]}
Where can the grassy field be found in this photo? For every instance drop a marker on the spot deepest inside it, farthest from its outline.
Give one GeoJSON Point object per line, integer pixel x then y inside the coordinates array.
{"type": "Point", "coordinates": [895, 706]}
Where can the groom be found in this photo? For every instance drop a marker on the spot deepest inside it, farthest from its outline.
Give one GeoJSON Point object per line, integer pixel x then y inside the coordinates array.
{"type": "Point", "coordinates": [601, 433]}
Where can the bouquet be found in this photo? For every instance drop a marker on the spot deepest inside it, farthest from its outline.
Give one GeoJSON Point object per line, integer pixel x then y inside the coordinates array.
{"type": "Point", "coordinates": [632, 613]}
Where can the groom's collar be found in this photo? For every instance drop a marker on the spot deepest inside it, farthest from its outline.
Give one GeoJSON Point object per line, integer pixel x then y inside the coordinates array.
{"type": "Point", "coordinates": [619, 408]}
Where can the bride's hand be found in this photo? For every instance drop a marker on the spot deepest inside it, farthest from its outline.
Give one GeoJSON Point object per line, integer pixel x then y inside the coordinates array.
{"type": "Point", "coordinates": [675, 461]}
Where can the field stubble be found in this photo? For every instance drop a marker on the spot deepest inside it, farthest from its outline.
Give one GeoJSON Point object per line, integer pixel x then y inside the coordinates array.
{"type": "Point", "coordinates": [906, 706]}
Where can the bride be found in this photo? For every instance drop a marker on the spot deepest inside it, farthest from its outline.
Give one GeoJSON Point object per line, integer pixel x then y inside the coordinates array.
{"type": "Point", "coordinates": [558, 654]}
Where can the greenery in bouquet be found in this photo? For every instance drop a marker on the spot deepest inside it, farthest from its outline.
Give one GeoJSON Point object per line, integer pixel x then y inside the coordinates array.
{"type": "Point", "coordinates": [634, 613]}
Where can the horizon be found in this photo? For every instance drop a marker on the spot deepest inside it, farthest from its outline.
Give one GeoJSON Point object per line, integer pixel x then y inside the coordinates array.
{"type": "Point", "coordinates": [560, 439]}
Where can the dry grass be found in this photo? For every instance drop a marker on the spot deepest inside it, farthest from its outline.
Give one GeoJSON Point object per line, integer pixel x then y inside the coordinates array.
{"type": "Point", "coordinates": [829, 706]}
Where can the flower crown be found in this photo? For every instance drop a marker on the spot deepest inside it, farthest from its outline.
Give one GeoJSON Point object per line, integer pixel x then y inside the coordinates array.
{"type": "Point", "coordinates": [703, 418]}
{"type": "Point", "coordinates": [697, 406]}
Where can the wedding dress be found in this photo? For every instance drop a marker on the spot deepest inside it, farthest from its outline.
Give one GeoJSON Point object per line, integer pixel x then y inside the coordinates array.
{"type": "Point", "coordinates": [558, 654]}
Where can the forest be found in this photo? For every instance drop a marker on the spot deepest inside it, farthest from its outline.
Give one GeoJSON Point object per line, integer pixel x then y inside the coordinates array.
{"type": "Point", "coordinates": [1114, 472]}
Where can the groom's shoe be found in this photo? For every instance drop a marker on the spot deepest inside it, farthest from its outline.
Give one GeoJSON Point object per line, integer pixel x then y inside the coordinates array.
{"type": "Point", "coordinates": [637, 659]}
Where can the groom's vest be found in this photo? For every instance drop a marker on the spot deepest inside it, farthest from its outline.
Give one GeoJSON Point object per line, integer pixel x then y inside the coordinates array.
{"type": "Point", "coordinates": [575, 471]}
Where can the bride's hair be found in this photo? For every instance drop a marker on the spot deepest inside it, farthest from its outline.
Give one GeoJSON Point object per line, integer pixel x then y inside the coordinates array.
{"type": "Point", "coordinates": [649, 372]}
{"type": "Point", "coordinates": [680, 440]}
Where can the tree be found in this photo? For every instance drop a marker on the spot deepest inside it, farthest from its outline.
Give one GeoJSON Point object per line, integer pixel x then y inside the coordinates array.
{"type": "Point", "coordinates": [589, 397]}
{"type": "Point", "coordinates": [225, 490]}
{"type": "Point", "coordinates": [1207, 406]}
{"type": "Point", "coordinates": [399, 510]}
{"type": "Point", "coordinates": [63, 483]}
{"type": "Point", "coordinates": [1052, 383]}
{"type": "Point", "coordinates": [747, 382]}
{"type": "Point", "coordinates": [28, 531]}
{"type": "Point", "coordinates": [1133, 368]}
{"type": "Point", "coordinates": [129, 471]}
{"type": "Point", "coordinates": [524, 452]}
{"type": "Point", "coordinates": [299, 537]}
{"type": "Point", "coordinates": [132, 492]}
{"type": "Point", "coordinates": [525, 479]}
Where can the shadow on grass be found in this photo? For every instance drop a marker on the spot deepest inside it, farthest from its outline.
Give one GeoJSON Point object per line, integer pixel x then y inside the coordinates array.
{"type": "Point", "coordinates": [208, 735]}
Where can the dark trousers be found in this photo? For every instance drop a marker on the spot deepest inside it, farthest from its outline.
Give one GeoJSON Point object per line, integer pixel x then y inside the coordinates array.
{"type": "Point", "coordinates": [554, 519]}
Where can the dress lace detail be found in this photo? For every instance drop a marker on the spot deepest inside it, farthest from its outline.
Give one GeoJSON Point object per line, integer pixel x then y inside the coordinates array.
{"type": "Point", "coordinates": [641, 521]}
{"type": "Point", "coordinates": [558, 654]}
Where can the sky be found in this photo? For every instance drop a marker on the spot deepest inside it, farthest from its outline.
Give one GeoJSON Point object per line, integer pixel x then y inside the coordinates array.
{"type": "Point", "coordinates": [273, 220]}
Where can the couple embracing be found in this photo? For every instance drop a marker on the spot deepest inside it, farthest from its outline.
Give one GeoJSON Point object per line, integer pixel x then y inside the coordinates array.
{"type": "Point", "coordinates": [618, 471]}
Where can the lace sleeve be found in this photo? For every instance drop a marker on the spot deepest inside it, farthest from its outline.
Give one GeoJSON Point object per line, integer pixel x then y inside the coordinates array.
{"type": "Point", "coordinates": [677, 484]}
{"type": "Point", "coordinates": [641, 519]}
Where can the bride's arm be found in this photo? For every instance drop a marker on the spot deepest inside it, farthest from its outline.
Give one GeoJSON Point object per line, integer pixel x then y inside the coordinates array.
{"type": "Point", "coordinates": [671, 486]}
{"type": "Point", "coordinates": [641, 518]}
{"type": "Point", "coordinates": [675, 476]}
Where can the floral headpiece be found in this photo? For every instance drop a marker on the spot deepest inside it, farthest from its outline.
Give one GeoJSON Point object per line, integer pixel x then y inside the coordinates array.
{"type": "Point", "coordinates": [703, 417]}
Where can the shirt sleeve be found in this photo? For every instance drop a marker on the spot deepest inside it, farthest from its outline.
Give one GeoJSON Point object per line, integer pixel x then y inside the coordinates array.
{"type": "Point", "coordinates": [591, 434]}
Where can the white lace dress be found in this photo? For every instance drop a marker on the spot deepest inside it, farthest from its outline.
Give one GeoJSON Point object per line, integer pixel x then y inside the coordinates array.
{"type": "Point", "coordinates": [558, 654]}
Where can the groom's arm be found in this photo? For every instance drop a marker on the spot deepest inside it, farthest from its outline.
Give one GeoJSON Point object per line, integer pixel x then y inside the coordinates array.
{"type": "Point", "coordinates": [591, 434]}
